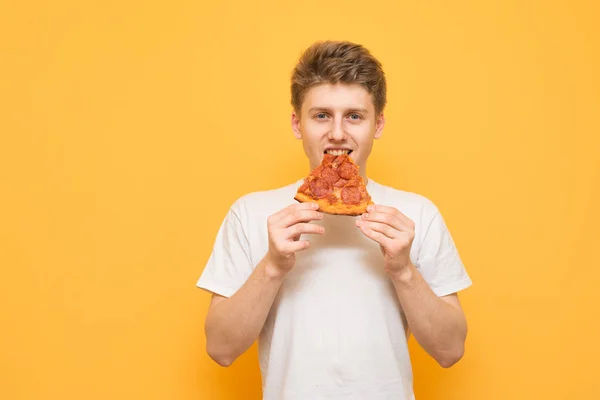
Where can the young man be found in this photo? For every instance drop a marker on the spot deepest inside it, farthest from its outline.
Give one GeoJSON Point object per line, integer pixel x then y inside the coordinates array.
{"type": "Point", "coordinates": [333, 299]}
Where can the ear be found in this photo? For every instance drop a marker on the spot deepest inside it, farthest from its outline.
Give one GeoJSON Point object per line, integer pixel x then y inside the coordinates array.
{"type": "Point", "coordinates": [379, 126]}
{"type": "Point", "coordinates": [296, 125]}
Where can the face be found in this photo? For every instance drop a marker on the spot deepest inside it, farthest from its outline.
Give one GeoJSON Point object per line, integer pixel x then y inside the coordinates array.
{"type": "Point", "coordinates": [338, 118]}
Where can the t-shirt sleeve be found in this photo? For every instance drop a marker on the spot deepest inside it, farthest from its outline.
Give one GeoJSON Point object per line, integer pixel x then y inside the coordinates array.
{"type": "Point", "coordinates": [229, 264]}
{"type": "Point", "coordinates": [439, 261]}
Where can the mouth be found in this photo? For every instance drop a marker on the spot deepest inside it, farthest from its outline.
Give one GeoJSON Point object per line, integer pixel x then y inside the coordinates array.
{"type": "Point", "coordinates": [337, 152]}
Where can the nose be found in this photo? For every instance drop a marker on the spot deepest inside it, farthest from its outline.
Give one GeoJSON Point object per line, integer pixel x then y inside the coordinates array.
{"type": "Point", "coordinates": [337, 132]}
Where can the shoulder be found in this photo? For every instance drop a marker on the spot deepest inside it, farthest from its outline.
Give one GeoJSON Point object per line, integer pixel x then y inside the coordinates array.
{"type": "Point", "coordinates": [265, 202]}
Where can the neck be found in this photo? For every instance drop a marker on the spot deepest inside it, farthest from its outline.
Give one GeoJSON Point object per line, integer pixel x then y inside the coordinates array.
{"type": "Point", "coordinates": [363, 173]}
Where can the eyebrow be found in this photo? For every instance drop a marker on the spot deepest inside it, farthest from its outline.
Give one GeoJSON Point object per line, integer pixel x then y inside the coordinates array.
{"type": "Point", "coordinates": [362, 110]}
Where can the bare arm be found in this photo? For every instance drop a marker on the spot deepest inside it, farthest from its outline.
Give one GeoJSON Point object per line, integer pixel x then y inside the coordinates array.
{"type": "Point", "coordinates": [438, 323]}
{"type": "Point", "coordinates": [234, 323]}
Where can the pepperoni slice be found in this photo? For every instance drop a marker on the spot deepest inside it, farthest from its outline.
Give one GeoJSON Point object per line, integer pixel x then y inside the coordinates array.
{"type": "Point", "coordinates": [320, 188]}
{"type": "Point", "coordinates": [327, 159]}
{"type": "Point", "coordinates": [330, 175]}
{"type": "Point", "coordinates": [347, 170]}
{"type": "Point", "coordinates": [351, 195]}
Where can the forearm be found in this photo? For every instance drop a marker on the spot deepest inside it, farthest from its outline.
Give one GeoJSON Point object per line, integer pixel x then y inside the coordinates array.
{"type": "Point", "coordinates": [234, 324]}
{"type": "Point", "coordinates": [439, 327]}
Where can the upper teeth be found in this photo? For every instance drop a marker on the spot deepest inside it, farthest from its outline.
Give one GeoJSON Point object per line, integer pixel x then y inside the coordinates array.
{"type": "Point", "coordinates": [337, 152]}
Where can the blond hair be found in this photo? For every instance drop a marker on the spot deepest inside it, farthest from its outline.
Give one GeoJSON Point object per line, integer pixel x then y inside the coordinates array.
{"type": "Point", "coordinates": [338, 62]}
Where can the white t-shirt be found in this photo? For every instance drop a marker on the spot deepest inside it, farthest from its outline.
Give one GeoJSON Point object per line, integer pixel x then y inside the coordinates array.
{"type": "Point", "coordinates": [336, 329]}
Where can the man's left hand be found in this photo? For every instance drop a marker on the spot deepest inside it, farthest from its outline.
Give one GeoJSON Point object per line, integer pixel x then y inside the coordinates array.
{"type": "Point", "coordinates": [393, 231]}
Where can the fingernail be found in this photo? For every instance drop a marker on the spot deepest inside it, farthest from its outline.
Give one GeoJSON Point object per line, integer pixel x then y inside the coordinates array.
{"type": "Point", "coordinates": [370, 208]}
{"type": "Point", "coordinates": [364, 216]}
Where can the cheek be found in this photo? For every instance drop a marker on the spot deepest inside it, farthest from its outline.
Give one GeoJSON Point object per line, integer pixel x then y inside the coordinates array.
{"type": "Point", "coordinates": [362, 134]}
{"type": "Point", "coordinates": [314, 130]}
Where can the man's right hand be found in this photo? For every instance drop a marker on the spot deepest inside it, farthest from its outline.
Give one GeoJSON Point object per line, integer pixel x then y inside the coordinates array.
{"type": "Point", "coordinates": [285, 228]}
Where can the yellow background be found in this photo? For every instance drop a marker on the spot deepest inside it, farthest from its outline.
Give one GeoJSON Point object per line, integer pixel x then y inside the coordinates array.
{"type": "Point", "coordinates": [128, 129]}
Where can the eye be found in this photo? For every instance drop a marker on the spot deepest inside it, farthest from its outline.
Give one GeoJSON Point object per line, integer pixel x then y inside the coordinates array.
{"type": "Point", "coordinates": [321, 116]}
{"type": "Point", "coordinates": [355, 116]}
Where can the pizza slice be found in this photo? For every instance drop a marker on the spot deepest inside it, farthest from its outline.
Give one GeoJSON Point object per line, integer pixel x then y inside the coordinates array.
{"type": "Point", "coordinates": [336, 186]}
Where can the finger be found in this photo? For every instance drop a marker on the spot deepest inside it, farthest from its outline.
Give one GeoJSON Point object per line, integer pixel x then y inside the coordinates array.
{"type": "Point", "coordinates": [378, 237]}
{"type": "Point", "coordinates": [384, 218]}
{"type": "Point", "coordinates": [287, 210]}
{"type": "Point", "coordinates": [391, 210]}
{"type": "Point", "coordinates": [296, 230]}
{"type": "Point", "coordinates": [382, 228]}
{"type": "Point", "coordinates": [300, 215]}
{"type": "Point", "coordinates": [292, 247]}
